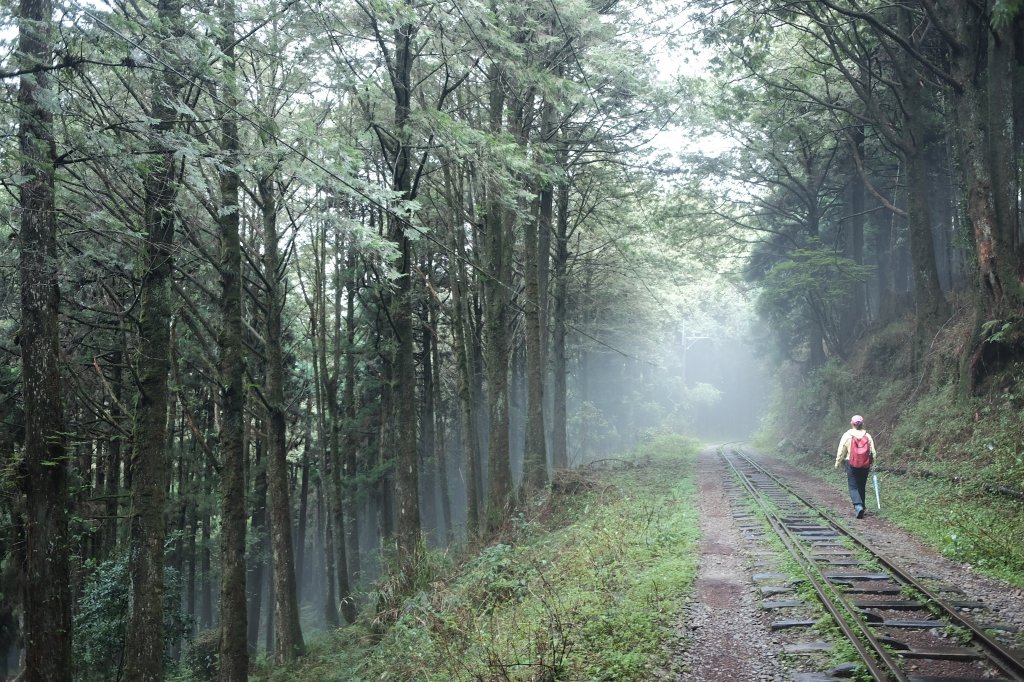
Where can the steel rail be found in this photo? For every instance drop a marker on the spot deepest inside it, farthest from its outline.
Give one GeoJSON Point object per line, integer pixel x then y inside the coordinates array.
{"type": "Point", "coordinates": [818, 581]}
{"type": "Point", "coordinates": [996, 654]}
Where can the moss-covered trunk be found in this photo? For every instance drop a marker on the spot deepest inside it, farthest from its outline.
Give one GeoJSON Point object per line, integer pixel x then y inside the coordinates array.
{"type": "Point", "coordinates": [43, 472]}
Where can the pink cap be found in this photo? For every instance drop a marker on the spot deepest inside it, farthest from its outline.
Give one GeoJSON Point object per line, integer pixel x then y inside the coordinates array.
{"type": "Point", "coordinates": [856, 419]}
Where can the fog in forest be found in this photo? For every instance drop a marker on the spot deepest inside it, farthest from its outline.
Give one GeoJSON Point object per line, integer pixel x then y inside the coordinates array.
{"type": "Point", "coordinates": [710, 388]}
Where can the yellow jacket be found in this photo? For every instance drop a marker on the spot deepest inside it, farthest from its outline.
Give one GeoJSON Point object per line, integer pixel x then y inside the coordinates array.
{"type": "Point", "coordinates": [843, 453]}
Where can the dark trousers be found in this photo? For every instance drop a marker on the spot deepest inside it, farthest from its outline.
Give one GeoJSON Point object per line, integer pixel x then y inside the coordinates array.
{"type": "Point", "coordinates": [857, 480]}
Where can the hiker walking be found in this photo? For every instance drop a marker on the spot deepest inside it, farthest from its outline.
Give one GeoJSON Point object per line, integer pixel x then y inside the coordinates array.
{"type": "Point", "coordinates": [857, 449]}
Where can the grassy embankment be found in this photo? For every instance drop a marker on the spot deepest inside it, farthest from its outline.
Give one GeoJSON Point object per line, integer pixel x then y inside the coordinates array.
{"type": "Point", "coordinates": [587, 585]}
{"type": "Point", "coordinates": [951, 462]}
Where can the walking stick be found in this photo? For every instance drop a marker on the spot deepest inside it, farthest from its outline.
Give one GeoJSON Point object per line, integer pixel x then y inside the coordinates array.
{"type": "Point", "coordinates": [878, 500]}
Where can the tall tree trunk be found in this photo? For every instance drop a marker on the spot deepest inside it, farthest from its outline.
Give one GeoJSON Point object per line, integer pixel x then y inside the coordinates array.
{"type": "Point", "coordinates": [330, 596]}
{"type": "Point", "coordinates": [144, 645]}
{"type": "Point", "coordinates": [584, 354]}
{"type": "Point", "coordinates": [91, 542]}
{"type": "Point", "coordinates": [428, 407]}
{"type": "Point", "coordinates": [350, 460]}
{"type": "Point", "coordinates": [440, 439]}
{"type": "Point", "coordinates": [464, 360]}
{"type": "Point", "coordinates": [496, 296]}
{"type": "Point", "coordinates": [234, 655]}
{"type": "Point", "coordinates": [300, 539]}
{"type": "Point", "coordinates": [205, 567]}
{"type": "Point", "coordinates": [535, 464]}
{"type": "Point", "coordinates": [185, 484]}
{"type": "Point", "coordinates": [43, 471]}
{"type": "Point", "coordinates": [322, 580]}
{"type": "Point", "coordinates": [324, 389]}
{"type": "Point", "coordinates": [258, 562]}
{"type": "Point", "coordinates": [544, 234]}
{"type": "Point", "coordinates": [535, 460]}
{"type": "Point", "coordinates": [268, 633]}
{"type": "Point", "coordinates": [559, 369]}
{"type": "Point", "coordinates": [192, 555]}
{"type": "Point", "coordinates": [856, 308]}
{"type": "Point", "coordinates": [884, 239]}
{"type": "Point", "coordinates": [321, 384]}
{"type": "Point", "coordinates": [545, 220]}
{"type": "Point", "coordinates": [1002, 89]}
{"type": "Point", "coordinates": [336, 506]}
{"type": "Point", "coordinates": [385, 448]}
{"type": "Point", "coordinates": [289, 642]}
{"type": "Point", "coordinates": [928, 297]}
{"type": "Point", "coordinates": [475, 348]}
{"type": "Point", "coordinates": [113, 478]}
{"type": "Point", "coordinates": [404, 377]}
{"type": "Point", "coordinates": [1002, 293]}
{"type": "Point", "coordinates": [931, 304]}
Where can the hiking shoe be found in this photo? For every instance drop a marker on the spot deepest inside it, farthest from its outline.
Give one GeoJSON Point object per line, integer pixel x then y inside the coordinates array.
{"type": "Point", "coordinates": [860, 512]}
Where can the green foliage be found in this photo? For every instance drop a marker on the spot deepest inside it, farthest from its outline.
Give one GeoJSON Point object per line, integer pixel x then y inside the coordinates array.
{"type": "Point", "coordinates": [589, 426]}
{"type": "Point", "coordinates": [399, 585]}
{"type": "Point", "coordinates": [961, 521]}
{"type": "Point", "coordinates": [200, 657]}
{"type": "Point", "coordinates": [496, 577]}
{"type": "Point", "coordinates": [332, 656]}
{"type": "Point", "coordinates": [933, 427]}
{"type": "Point", "coordinates": [586, 586]}
{"type": "Point", "coordinates": [666, 446]}
{"type": "Point", "coordinates": [587, 600]}
{"type": "Point", "coordinates": [808, 289]}
{"type": "Point", "coordinates": [703, 394]}
{"type": "Point", "coordinates": [102, 618]}
{"type": "Point", "coordinates": [1004, 12]}
{"type": "Point", "coordinates": [998, 331]}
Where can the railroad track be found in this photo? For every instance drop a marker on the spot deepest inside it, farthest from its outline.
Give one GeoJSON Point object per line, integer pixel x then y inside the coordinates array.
{"type": "Point", "coordinates": [900, 628]}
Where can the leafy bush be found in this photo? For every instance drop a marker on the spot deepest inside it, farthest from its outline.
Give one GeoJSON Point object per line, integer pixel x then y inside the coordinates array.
{"type": "Point", "coordinates": [102, 619]}
{"type": "Point", "coordinates": [201, 655]}
{"type": "Point", "coordinates": [495, 576]}
{"type": "Point", "coordinates": [401, 583]}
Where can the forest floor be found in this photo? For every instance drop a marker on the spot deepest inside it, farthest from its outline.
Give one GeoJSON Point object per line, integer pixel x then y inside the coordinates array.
{"type": "Point", "coordinates": [724, 634]}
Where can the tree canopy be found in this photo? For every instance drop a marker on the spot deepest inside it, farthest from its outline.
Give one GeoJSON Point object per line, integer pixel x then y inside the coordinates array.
{"type": "Point", "coordinates": [306, 289]}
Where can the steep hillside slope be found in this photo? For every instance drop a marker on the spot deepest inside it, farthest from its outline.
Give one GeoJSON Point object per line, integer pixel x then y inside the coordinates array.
{"type": "Point", "coordinates": [949, 430]}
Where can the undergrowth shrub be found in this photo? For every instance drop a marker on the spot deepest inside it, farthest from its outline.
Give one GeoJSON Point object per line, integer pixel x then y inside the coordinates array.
{"type": "Point", "coordinates": [496, 576]}
{"type": "Point", "coordinates": [886, 353]}
{"type": "Point", "coordinates": [981, 530]}
{"type": "Point", "coordinates": [582, 585]}
{"type": "Point", "coordinates": [933, 427]}
{"type": "Point", "coordinates": [201, 655]}
{"type": "Point", "coordinates": [102, 619]}
{"type": "Point", "coordinates": [397, 584]}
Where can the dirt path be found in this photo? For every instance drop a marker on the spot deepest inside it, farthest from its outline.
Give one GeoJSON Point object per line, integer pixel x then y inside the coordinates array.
{"type": "Point", "coordinates": [727, 641]}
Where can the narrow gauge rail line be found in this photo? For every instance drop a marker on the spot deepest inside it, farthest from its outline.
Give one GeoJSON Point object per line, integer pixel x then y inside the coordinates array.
{"type": "Point", "coordinates": [798, 523]}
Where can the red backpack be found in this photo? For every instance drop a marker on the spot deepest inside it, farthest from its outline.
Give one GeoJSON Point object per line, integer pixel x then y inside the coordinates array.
{"type": "Point", "coordinates": [860, 451]}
